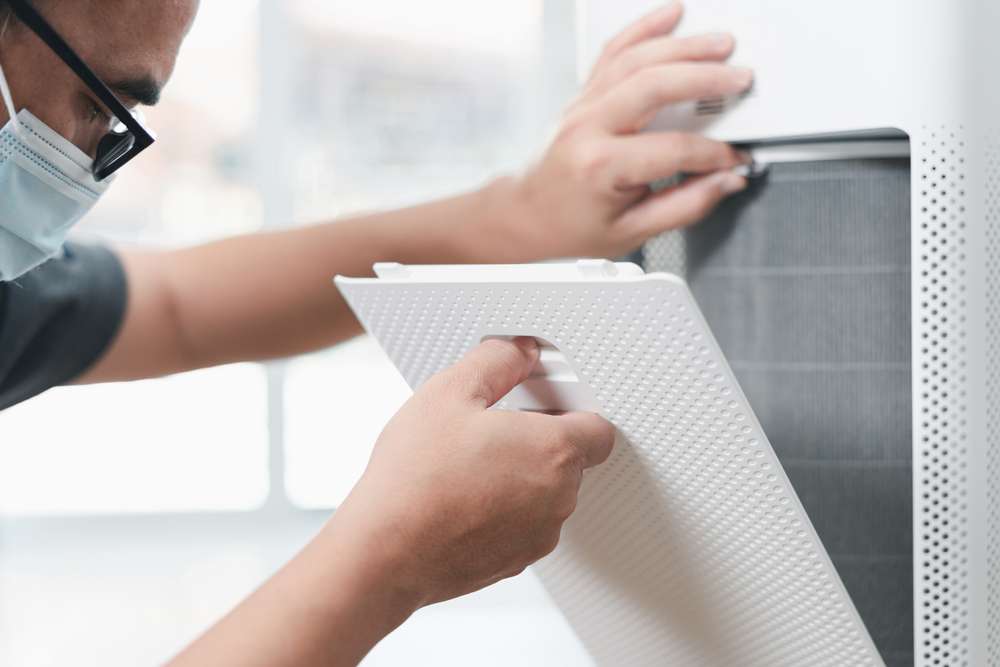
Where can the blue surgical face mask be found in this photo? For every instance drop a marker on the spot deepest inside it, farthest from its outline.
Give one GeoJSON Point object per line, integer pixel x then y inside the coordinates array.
{"type": "Point", "coordinates": [46, 186]}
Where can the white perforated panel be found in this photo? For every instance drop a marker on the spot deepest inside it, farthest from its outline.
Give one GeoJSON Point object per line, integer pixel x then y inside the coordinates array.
{"type": "Point", "coordinates": [689, 547]}
{"type": "Point", "coordinates": [992, 261]}
{"type": "Point", "coordinates": [942, 586]}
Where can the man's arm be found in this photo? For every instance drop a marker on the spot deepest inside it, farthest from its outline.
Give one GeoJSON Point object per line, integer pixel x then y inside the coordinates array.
{"type": "Point", "coordinates": [269, 295]}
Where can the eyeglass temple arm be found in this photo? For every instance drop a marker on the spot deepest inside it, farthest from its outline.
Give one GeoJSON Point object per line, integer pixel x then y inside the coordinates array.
{"type": "Point", "coordinates": [31, 18]}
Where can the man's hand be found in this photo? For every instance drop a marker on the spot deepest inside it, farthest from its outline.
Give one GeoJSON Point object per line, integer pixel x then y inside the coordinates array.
{"type": "Point", "coordinates": [457, 496]}
{"type": "Point", "coordinates": [589, 194]}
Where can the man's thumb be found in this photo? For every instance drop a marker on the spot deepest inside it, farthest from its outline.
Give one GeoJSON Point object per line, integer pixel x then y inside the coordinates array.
{"type": "Point", "coordinates": [491, 370]}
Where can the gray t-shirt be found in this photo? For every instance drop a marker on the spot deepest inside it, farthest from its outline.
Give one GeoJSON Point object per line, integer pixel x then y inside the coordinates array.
{"type": "Point", "coordinates": [57, 320]}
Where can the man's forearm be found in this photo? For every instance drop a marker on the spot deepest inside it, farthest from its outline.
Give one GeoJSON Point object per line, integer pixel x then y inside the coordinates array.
{"type": "Point", "coordinates": [269, 295]}
{"type": "Point", "coordinates": [327, 608]}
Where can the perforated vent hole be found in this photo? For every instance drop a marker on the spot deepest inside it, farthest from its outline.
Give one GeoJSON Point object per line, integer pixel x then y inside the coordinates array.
{"type": "Point", "coordinates": [713, 106]}
{"type": "Point", "coordinates": [710, 106]}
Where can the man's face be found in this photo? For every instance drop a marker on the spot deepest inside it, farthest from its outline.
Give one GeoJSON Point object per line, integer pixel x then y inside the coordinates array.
{"type": "Point", "coordinates": [130, 44]}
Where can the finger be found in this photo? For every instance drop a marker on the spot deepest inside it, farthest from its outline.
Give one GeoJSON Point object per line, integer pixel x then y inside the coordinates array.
{"type": "Point", "coordinates": [679, 207]}
{"type": "Point", "coordinates": [659, 22]}
{"type": "Point", "coordinates": [592, 435]}
{"type": "Point", "coordinates": [491, 370]}
{"type": "Point", "coordinates": [630, 104]}
{"type": "Point", "coordinates": [639, 160]}
{"type": "Point", "coordinates": [662, 51]}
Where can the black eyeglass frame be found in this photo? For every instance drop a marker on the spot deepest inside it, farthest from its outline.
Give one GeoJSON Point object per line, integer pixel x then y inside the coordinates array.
{"type": "Point", "coordinates": [116, 148]}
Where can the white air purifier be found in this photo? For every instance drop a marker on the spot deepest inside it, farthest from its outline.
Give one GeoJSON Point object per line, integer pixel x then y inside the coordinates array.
{"type": "Point", "coordinates": [856, 289]}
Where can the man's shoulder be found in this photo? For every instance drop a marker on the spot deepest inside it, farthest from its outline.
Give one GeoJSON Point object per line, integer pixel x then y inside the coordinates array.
{"type": "Point", "coordinates": [57, 320]}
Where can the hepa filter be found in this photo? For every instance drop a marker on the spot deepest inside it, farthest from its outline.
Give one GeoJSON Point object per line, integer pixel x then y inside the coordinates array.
{"type": "Point", "coordinates": [805, 281]}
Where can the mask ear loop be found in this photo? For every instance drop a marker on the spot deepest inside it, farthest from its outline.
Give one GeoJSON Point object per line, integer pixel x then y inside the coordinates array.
{"type": "Point", "coordinates": [8, 101]}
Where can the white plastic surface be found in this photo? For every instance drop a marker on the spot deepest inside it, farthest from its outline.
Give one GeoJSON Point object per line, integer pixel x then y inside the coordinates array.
{"type": "Point", "coordinates": [829, 67]}
{"type": "Point", "coordinates": [689, 546]}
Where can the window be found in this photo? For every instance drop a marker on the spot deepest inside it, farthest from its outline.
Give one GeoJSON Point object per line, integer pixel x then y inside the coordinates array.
{"type": "Point", "coordinates": [187, 443]}
{"type": "Point", "coordinates": [146, 510]}
{"type": "Point", "coordinates": [397, 106]}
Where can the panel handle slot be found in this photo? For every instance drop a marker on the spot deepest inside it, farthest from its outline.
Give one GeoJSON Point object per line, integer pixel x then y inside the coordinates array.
{"type": "Point", "coordinates": [553, 385]}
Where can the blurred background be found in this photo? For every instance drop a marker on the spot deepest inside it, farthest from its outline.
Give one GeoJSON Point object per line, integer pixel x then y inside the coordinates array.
{"type": "Point", "coordinates": [135, 515]}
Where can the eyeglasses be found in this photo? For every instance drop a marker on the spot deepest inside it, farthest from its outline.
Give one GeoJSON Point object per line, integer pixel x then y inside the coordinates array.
{"type": "Point", "coordinates": [128, 137]}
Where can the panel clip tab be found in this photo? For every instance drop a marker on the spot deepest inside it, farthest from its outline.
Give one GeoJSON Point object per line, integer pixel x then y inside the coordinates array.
{"type": "Point", "coordinates": [392, 271]}
{"type": "Point", "coordinates": [597, 268]}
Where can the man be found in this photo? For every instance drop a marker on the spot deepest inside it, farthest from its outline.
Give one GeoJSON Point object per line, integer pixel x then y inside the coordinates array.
{"type": "Point", "coordinates": [456, 497]}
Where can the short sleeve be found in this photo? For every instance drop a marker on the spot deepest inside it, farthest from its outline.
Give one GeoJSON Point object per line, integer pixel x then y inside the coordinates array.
{"type": "Point", "coordinates": [57, 320]}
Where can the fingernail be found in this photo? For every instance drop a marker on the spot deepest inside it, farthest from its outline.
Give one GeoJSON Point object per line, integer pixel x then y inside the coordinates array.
{"type": "Point", "coordinates": [743, 77]}
{"type": "Point", "coordinates": [721, 41]}
{"type": "Point", "coordinates": [670, 8]}
{"type": "Point", "coordinates": [527, 344]}
{"type": "Point", "coordinates": [731, 183]}
{"type": "Point", "coordinates": [745, 157]}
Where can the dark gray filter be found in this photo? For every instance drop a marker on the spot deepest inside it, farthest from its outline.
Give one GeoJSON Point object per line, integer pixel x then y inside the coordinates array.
{"type": "Point", "coordinates": [805, 280]}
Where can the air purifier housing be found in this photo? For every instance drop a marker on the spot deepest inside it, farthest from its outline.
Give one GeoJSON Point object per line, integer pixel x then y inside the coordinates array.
{"type": "Point", "coordinates": [840, 73]}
